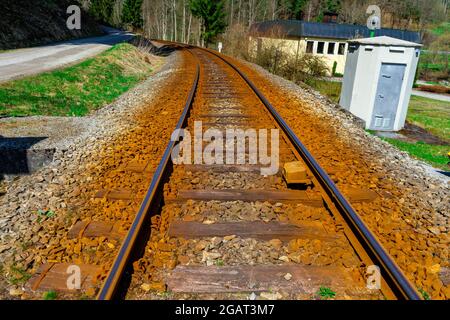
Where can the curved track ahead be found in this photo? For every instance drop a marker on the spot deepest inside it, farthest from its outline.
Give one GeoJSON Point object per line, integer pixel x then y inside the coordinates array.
{"type": "Point", "coordinates": [217, 78]}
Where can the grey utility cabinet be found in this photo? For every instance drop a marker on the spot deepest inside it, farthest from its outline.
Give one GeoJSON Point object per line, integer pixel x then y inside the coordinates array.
{"type": "Point", "coordinates": [378, 79]}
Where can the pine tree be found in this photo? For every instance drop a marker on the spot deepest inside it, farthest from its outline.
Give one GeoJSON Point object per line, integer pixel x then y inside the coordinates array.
{"type": "Point", "coordinates": [213, 17]}
{"type": "Point", "coordinates": [296, 8]}
{"type": "Point", "coordinates": [132, 13]}
{"type": "Point", "coordinates": [102, 10]}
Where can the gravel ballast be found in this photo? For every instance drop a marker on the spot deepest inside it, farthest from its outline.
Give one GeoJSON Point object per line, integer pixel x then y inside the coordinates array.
{"type": "Point", "coordinates": [135, 127]}
{"type": "Point", "coordinates": [411, 216]}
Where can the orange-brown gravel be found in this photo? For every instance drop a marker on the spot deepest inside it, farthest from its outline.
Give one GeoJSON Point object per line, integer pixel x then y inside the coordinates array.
{"type": "Point", "coordinates": [75, 185]}
{"type": "Point", "coordinates": [411, 216]}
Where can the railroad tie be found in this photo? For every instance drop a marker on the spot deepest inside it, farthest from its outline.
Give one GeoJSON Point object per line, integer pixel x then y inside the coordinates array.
{"type": "Point", "coordinates": [272, 196]}
{"type": "Point", "coordinates": [261, 278]}
{"type": "Point", "coordinates": [92, 229]}
{"type": "Point", "coordinates": [115, 195]}
{"type": "Point", "coordinates": [54, 276]}
{"type": "Point", "coordinates": [224, 168]}
{"type": "Point", "coordinates": [251, 229]}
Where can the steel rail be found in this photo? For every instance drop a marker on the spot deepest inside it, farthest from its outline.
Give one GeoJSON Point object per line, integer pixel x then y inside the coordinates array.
{"type": "Point", "coordinates": [109, 290]}
{"type": "Point", "coordinates": [400, 285]}
{"type": "Point", "coordinates": [390, 271]}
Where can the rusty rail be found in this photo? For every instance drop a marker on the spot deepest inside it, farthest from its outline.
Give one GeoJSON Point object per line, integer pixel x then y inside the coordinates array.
{"type": "Point", "coordinates": [399, 286]}
{"type": "Point", "coordinates": [150, 203]}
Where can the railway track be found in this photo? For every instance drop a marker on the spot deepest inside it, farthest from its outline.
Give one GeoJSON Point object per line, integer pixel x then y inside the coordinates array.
{"type": "Point", "coordinates": [227, 229]}
{"type": "Point", "coordinates": [177, 214]}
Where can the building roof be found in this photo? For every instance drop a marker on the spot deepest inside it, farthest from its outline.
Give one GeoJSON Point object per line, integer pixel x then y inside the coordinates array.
{"type": "Point", "coordinates": [385, 41]}
{"type": "Point", "coordinates": [302, 29]}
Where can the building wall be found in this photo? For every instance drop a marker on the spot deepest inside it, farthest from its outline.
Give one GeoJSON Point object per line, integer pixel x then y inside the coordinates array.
{"type": "Point", "coordinates": [349, 79]}
{"type": "Point", "coordinates": [294, 46]}
{"type": "Point", "coordinates": [329, 57]}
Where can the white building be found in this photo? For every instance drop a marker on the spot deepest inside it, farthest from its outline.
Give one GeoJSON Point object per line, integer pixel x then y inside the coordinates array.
{"type": "Point", "coordinates": [327, 40]}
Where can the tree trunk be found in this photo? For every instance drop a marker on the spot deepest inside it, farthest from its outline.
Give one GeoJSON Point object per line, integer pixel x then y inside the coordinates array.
{"type": "Point", "coordinates": [174, 20]}
{"type": "Point", "coordinates": [231, 12]}
{"type": "Point", "coordinates": [165, 23]}
{"type": "Point", "coordinates": [202, 29]}
{"type": "Point", "coordinates": [199, 33]}
{"type": "Point", "coordinates": [239, 11]}
{"type": "Point", "coordinates": [309, 12]}
{"type": "Point", "coordinates": [183, 37]}
{"type": "Point", "coordinates": [189, 29]}
{"type": "Point", "coordinates": [273, 8]}
{"type": "Point", "coordinates": [251, 11]}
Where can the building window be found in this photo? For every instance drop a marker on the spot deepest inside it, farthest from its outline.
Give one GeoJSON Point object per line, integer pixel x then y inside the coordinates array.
{"type": "Point", "coordinates": [320, 47]}
{"type": "Point", "coordinates": [331, 46]}
{"type": "Point", "coordinates": [309, 46]}
{"type": "Point", "coordinates": [341, 49]}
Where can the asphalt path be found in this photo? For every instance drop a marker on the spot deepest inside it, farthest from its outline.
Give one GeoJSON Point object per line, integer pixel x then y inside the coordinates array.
{"type": "Point", "coordinates": [25, 62]}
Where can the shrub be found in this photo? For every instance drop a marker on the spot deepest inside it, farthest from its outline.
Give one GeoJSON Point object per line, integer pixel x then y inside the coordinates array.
{"type": "Point", "coordinates": [435, 89]}
{"type": "Point", "coordinates": [433, 66]}
{"type": "Point", "coordinates": [304, 67]}
{"type": "Point", "coordinates": [235, 41]}
{"type": "Point", "coordinates": [333, 72]}
{"type": "Point", "coordinates": [273, 56]}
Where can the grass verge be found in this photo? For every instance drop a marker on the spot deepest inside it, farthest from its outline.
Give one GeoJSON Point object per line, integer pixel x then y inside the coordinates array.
{"type": "Point", "coordinates": [432, 115]}
{"type": "Point", "coordinates": [433, 154]}
{"type": "Point", "coordinates": [328, 88]}
{"type": "Point", "coordinates": [79, 89]}
{"type": "Point", "coordinates": [441, 29]}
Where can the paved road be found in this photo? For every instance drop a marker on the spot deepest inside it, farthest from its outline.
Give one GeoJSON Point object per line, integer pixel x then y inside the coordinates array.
{"type": "Point", "coordinates": [431, 95]}
{"type": "Point", "coordinates": [24, 62]}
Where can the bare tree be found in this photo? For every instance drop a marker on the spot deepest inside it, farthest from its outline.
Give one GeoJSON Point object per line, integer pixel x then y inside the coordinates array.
{"type": "Point", "coordinates": [183, 34]}
{"type": "Point", "coordinates": [231, 12]}
{"type": "Point", "coordinates": [273, 8]}
{"type": "Point", "coordinates": [172, 19]}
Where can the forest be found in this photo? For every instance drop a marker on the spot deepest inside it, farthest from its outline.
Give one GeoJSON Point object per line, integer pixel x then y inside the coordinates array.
{"type": "Point", "coordinates": [205, 22]}
{"type": "Point", "coordinates": [177, 20]}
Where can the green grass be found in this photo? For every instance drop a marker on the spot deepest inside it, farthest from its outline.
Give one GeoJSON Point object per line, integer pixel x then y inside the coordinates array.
{"type": "Point", "coordinates": [432, 66]}
{"type": "Point", "coordinates": [328, 88]}
{"type": "Point", "coordinates": [326, 293]}
{"type": "Point", "coordinates": [432, 115]}
{"type": "Point", "coordinates": [441, 29]}
{"type": "Point", "coordinates": [424, 294]}
{"type": "Point", "coordinates": [433, 62]}
{"type": "Point", "coordinates": [219, 263]}
{"type": "Point", "coordinates": [18, 275]}
{"type": "Point", "coordinates": [76, 90]}
{"type": "Point", "coordinates": [50, 295]}
{"type": "Point", "coordinates": [45, 213]}
{"type": "Point", "coordinates": [432, 154]}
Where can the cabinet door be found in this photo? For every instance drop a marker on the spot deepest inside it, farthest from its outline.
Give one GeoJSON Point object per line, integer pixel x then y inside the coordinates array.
{"type": "Point", "coordinates": [388, 96]}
